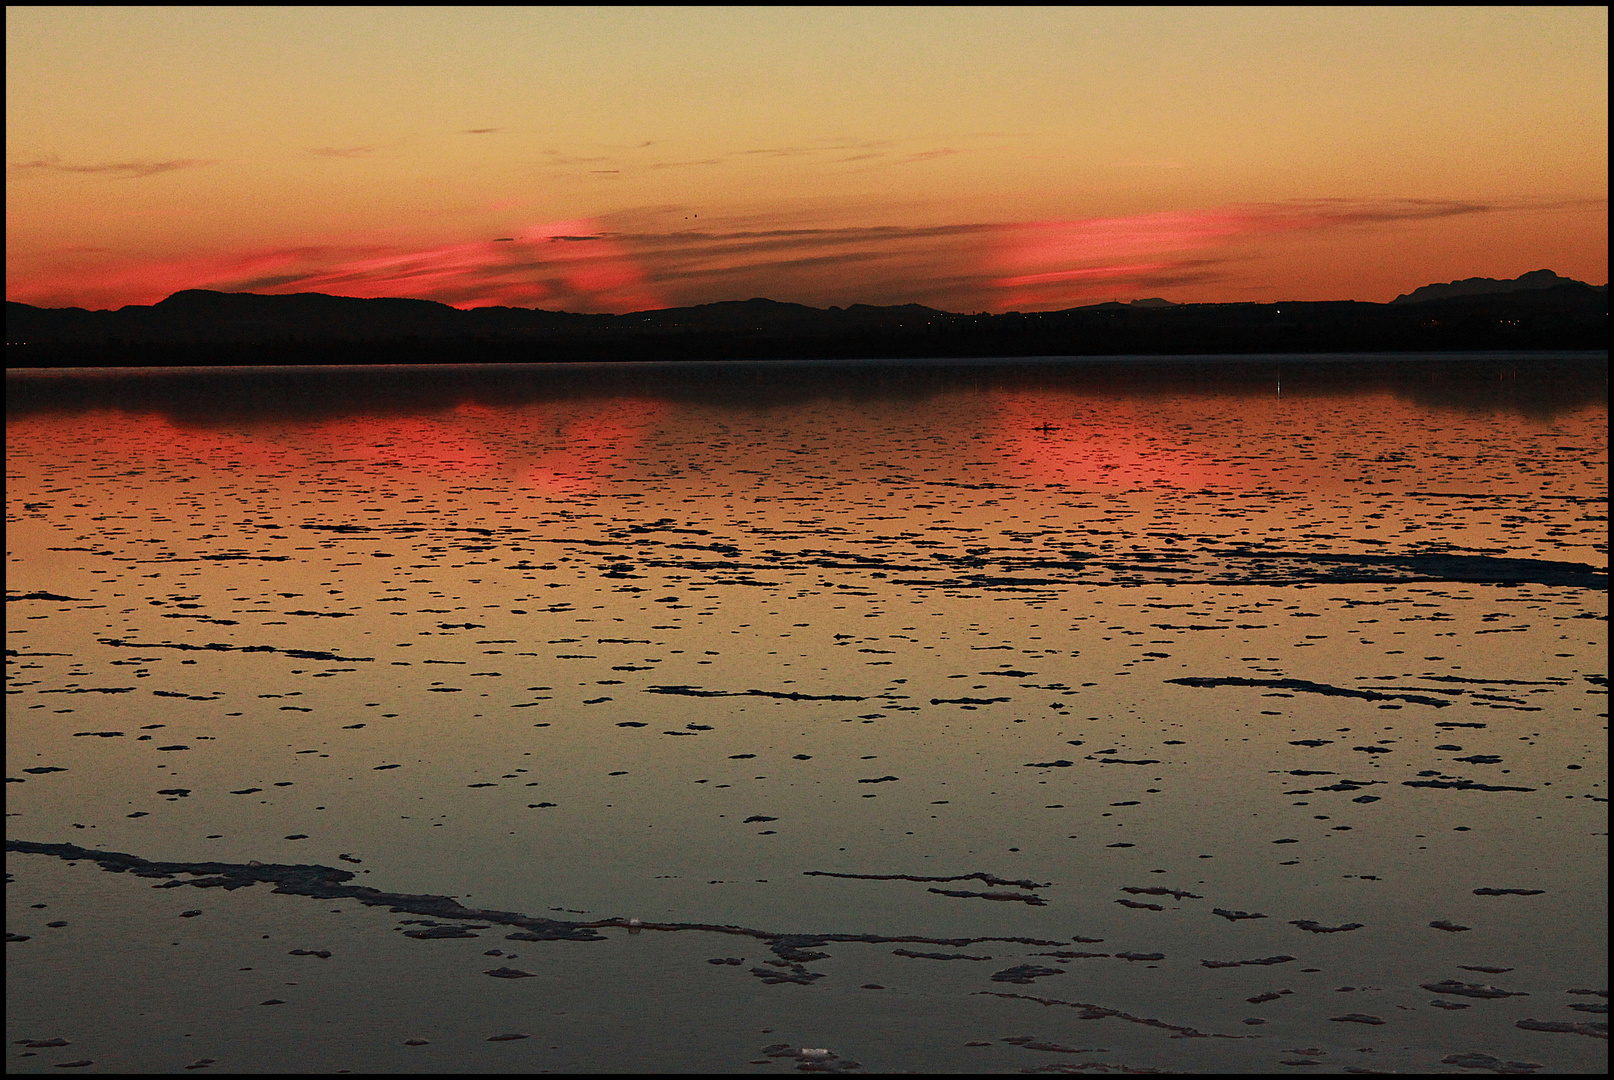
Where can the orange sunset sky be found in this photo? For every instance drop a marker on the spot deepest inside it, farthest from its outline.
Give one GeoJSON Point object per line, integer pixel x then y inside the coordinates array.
{"type": "Point", "coordinates": [972, 159]}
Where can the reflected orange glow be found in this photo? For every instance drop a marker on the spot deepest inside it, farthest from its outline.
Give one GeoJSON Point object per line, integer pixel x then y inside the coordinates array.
{"type": "Point", "coordinates": [588, 446]}
{"type": "Point", "coordinates": [444, 449]}
{"type": "Point", "coordinates": [143, 441]}
{"type": "Point", "coordinates": [1116, 447]}
{"type": "Point", "coordinates": [537, 448]}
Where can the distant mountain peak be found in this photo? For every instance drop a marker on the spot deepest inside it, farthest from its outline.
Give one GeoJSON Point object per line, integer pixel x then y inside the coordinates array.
{"type": "Point", "coordinates": [1478, 286]}
{"type": "Point", "coordinates": [1149, 302]}
{"type": "Point", "coordinates": [186, 298]}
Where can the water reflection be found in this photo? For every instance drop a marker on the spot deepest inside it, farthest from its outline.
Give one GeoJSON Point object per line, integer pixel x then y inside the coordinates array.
{"type": "Point", "coordinates": [782, 646]}
{"type": "Point", "coordinates": [1063, 438]}
{"type": "Point", "coordinates": [1539, 385]}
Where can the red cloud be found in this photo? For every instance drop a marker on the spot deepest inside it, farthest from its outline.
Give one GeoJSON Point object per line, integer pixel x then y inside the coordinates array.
{"type": "Point", "coordinates": [538, 269]}
{"type": "Point", "coordinates": [578, 265]}
{"type": "Point", "coordinates": [1051, 262]}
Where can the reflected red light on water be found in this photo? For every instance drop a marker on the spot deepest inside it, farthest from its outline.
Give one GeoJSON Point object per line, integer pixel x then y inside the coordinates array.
{"type": "Point", "coordinates": [1109, 443]}
{"type": "Point", "coordinates": [145, 440]}
{"type": "Point", "coordinates": [539, 449]}
{"type": "Point", "coordinates": [585, 449]}
{"type": "Point", "coordinates": [440, 447]}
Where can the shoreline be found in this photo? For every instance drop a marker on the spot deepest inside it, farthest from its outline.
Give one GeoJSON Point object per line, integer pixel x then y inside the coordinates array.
{"type": "Point", "coordinates": [250, 358]}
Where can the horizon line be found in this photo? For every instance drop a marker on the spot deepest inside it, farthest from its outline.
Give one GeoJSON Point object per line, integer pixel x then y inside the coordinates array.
{"type": "Point", "coordinates": [791, 303]}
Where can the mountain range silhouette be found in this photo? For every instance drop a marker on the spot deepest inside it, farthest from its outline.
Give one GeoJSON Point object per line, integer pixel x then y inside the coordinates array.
{"type": "Point", "coordinates": [1484, 286]}
{"type": "Point", "coordinates": [1537, 310]}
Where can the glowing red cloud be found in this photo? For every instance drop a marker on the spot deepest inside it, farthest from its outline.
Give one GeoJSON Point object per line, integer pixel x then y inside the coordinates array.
{"type": "Point", "coordinates": [1050, 243]}
{"type": "Point", "coordinates": [94, 280]}
{"type": "Point", "coordinates": [1050, 262]}
{"type": "Point", "coordinates": [1052, 276]}
{"type": "Point", "coordinates": [579, 266]}
{"type": "Point", "coordinates": [1053, 261]}
{"type": "Point", "coordinates": [563, 264]}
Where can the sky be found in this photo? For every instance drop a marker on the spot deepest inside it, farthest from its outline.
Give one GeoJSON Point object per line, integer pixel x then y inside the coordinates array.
{"type": "Point", "coordinates": [971, 159]}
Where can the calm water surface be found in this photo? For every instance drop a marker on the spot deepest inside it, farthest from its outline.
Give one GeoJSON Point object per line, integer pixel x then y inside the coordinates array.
{"type": "Point", "coordinates": [1189, 661]}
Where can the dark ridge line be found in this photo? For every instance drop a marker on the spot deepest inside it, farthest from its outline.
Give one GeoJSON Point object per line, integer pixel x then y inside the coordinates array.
{"type": "Point", "coordinates": [1100, 1012]}
{"type": "Point", "coordinates": [1309, 687]}
{"type": "Point", "coordinates": [327, 883]}
{"type": "Point", "coordinates": [983, 878]}
{"type": "Point", "coordinates": [40, 596]}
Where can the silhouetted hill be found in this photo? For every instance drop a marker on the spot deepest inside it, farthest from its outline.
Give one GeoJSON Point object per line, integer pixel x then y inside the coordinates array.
{"type": "Point", "coordinates": [202, 327]}
{"type": "Point", "coordinates": [1153, 301]}
{"type": "Point", "coordinates": [1482, 286]}
{"type": "Point", "coordinates": [199, 315]}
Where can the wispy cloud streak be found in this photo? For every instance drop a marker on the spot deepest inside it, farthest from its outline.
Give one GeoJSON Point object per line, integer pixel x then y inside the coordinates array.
{"type": "Point", "coordinates": [342, 151]}
{"type": "Point", "coordinates": [587, 265]}
{"type": "Point", "coordinates": [116, 170]}
{"type": "Point", "coordinates": [1047, 263]}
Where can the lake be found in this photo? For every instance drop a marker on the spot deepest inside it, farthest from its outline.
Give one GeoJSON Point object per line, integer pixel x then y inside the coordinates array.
{"type": "Point", "coordinates": [1159, 837]}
